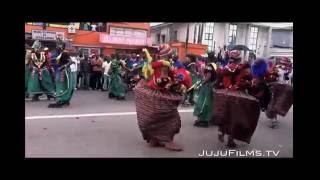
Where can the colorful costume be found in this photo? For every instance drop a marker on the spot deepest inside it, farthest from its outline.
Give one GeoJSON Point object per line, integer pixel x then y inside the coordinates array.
{"type": "Point", "coordinates": [281, 91]}
{"type": "Point", "coordinates": [157, 113]}
{"type": "Point", "coordinates": [40, 80]}
{"type": "Point", "coordinates": [117, 88]}
{"type": "Point", "coordinates": [235, 111]}
{"type": "Point", "coordinates": [204, 103]}
{"type": "Point", "coordinates": [64, 87]}
{"type": "Point", "coordinates": [27, 68]}
{"type": "Point", "coordinates": [260, 88]}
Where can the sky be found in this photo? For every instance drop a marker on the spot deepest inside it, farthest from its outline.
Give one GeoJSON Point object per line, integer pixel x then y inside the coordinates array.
{"type": "Point", "coordinates": [277, 24]}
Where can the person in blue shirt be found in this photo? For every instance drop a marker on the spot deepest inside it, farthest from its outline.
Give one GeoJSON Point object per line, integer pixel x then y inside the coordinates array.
{"type": "Point", "coordinates": [132, 60]}
{"type": "Point", "coordinates": [177, 63]}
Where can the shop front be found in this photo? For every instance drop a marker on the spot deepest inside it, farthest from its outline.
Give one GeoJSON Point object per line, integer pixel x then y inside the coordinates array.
{"type": "Point", "coordinates": [88, 50]}
{"type": "Point", "coordinates": [124, 41]}
{"type": "Point", "coordinates": [47, 38]}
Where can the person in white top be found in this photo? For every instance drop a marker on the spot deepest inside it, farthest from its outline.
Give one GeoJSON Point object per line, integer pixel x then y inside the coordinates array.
{"type": "Point", "coordinates": [73, 68]}
{"type": "Point", "coordinates": [80, 58]}
{"type": "Point", "coordinates": [93, 27]}
{"type": "Point", "coordinates": [106, 77]}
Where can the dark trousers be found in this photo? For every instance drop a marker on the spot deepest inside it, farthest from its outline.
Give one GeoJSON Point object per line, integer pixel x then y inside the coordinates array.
{"type": "Point", "coordinates": [190, 98]}
{"type": "Point", "coordinates": [79, 78]}
{"type": "Point", "coordinates": [95, 82]}
{"type": "Point", "coordinates": [85, 80]}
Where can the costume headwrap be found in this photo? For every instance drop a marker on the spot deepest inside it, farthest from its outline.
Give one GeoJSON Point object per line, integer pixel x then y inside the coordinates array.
{"type": "Point", "coordinates": [235, 54]}
{"type": "Point", "coordinates": [164, 50]}
{"type": "Point", "coordinates": [210, 66]}
{"type": "Point", "coordinates": [60, 44]}
{"type": "Point", "coordinates": [259, 68]}
{"type": "Point", "coordinates": [36, 45]}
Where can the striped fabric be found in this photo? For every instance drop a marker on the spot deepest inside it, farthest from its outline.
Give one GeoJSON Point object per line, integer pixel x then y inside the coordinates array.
{"type": "Point", "coordinates": [157, 113]}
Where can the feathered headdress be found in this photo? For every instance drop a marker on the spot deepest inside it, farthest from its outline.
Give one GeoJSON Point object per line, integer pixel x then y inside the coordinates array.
{"type": "Point", "coordinates": [259, 68]}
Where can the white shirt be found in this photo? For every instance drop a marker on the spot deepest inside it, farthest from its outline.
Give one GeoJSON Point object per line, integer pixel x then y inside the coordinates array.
{"type": "Point", "coordinates": [93, 27]}
{"type": "Point", "coordinates": [281, 75]}
{"type": "Point", "coordinates": [73, 67]}
{"type": "Point", "coordinates": [106, 67]}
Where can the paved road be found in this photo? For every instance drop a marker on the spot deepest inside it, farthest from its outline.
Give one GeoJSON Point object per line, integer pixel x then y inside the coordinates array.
{"type": "Point", "coordinates": [88, 133]}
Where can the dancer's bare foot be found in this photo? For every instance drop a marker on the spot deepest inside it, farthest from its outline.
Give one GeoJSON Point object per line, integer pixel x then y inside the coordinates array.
{"type": "Point", "coordinates": [221, 137]}
{"type": "Point", "coordinates": [154, 143]}
{"type": "Point", "coordinates": [173, 146]}
{"type": "Point", "coordinates": [231, 143]}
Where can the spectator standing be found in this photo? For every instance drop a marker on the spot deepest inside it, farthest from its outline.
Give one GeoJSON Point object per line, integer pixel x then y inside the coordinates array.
{"type": "Point", "coordinates": [106, 77]}
{"type": "Point", "coordinates": [96, 65]}
{"type": "Point", "coordinates": [80, 57]}
{"type": "Point", "coordinates": [87, 26]}
{"type": "Point", "coordinates": [85, 71]}
{"type": "Point", "coordinates": [73, 68]}
{"type": "Point", "coordinates": [93, 27]}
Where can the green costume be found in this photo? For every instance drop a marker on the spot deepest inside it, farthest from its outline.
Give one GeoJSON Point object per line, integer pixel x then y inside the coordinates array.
{"type": "Point", "coordinates": [27, 71]}
{"type": "Point", "coordinates": [64, 87]}
{"type": "Point", "coordinates": [117, 88]}
{"type": "Point", "coordinates": [204, 102]}
{"type": "Point", "coordinates": [203, 106]}
{"type": "Point", "coordinates": [38, 79]}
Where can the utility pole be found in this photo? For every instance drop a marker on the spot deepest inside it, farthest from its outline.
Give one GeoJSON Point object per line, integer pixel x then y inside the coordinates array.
{"type": "Point", "coordinates": [187, 39]}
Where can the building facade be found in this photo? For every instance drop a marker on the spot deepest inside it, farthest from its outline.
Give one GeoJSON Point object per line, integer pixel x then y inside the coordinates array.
{"type": "Point", "coordinates": [109, 38]}
{"type": "Point", "coordinates": [215, 35]}
{"type": "Point", "coordinates": [282, 42]}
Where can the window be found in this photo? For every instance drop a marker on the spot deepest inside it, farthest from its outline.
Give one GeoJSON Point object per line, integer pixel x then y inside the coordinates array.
{"type": "Point", "coordinates": [158, 38]}
{"type": "Point", "coordinates": [232, 34]}
{"type": "Point", "coordinates": [163, 38]}
{"type": "Point", "coordinates": [128, 32]}
{"type": "Point", "coordinates": [208, 36]}
{"type": "Point", "coordinates": [253, 38]}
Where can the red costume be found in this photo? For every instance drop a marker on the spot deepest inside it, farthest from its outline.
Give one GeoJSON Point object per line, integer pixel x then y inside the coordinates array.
{"type": "Point", "coordinates": [186, 78]}
{"type": "Point", "coordinates": [159, 78]}
{"type": "Point", "coordinates": [235, 76]}
{"type": "Point", "coordinates": [162, 76]}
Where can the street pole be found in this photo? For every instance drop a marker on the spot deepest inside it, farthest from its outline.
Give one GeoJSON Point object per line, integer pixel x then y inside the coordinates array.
{"type": "Point", "coordinates": [187, 39]}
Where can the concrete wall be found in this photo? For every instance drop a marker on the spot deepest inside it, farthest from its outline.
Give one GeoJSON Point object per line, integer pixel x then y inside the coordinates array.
{"type": "Point", "coordinates": [241, 34]}
{"type": "Point", "coordinates": [162, 31]}
{"type": "Point", "coordinates": [221, 31]}
{"type": "Point", "coordinates": [219, 35]}
{"type": "Point", "coordinates": [262, 42]}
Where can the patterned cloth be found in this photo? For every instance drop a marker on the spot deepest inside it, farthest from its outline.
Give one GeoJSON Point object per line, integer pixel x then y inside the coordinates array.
{"type": "Point", "coordinates": [157, 113]}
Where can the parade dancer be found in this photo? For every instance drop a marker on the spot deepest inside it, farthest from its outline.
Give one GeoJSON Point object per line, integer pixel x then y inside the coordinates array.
{"type": "Point", "coordinates": [232, 117]}
{"type": "Point", "coordinates": [64, 87]}
{"type": "Point", "coordinates": [280, 90]}
{"type": "Point", "coordinates": [157, 114]}
{"type": "Point", "coordinates": [259, 89]}
{"type": "Point", "coordinates": [27, 71]}
{"type": "Point", "coordinates": [39, 80]}
{"type": "Point", "coordinates": [192, 68]}
{"type": "Point", "coordinates": [204, 103]}
{"type": "Point", "coordinates": [117, 88]}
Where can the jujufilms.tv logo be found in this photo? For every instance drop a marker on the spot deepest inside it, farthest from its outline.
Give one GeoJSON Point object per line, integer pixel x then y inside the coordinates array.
{"type": "Point", "coordinates": [239, 153]}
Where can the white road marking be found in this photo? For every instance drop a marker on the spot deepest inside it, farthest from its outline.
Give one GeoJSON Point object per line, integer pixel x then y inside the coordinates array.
{"type": "Point", "coordinates": [93, 115]}
{"type": "Point", "coordinates": [41, 98]}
